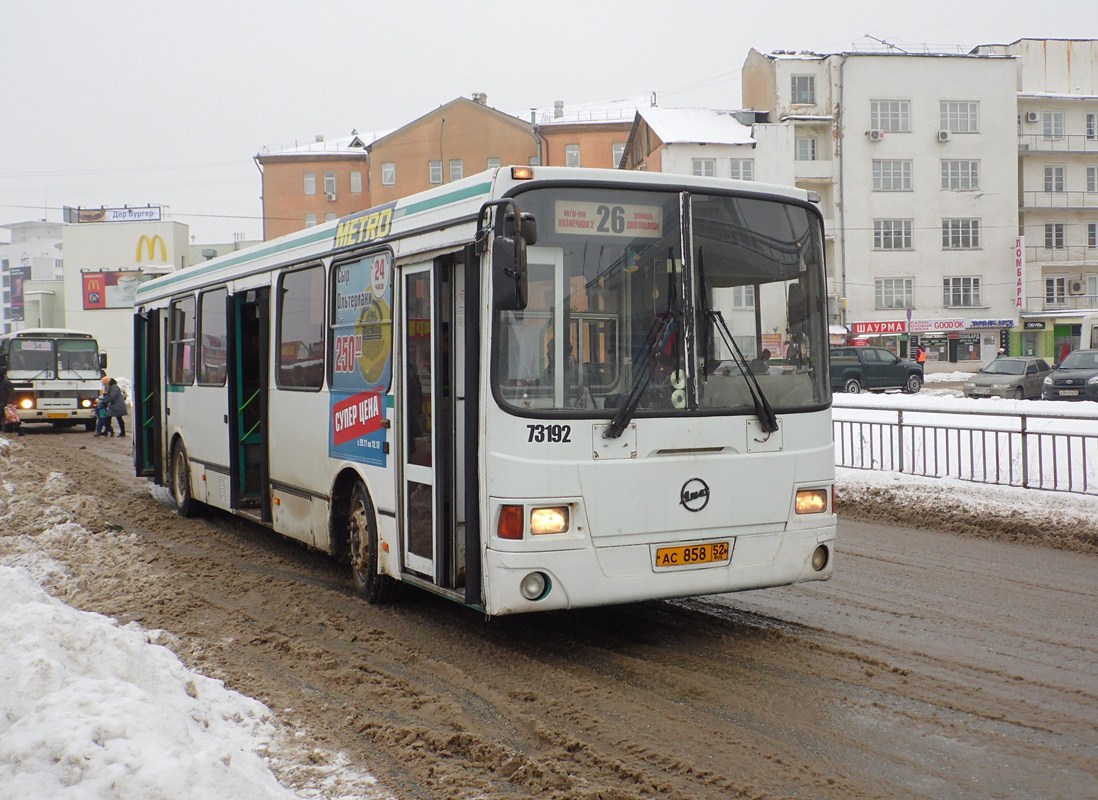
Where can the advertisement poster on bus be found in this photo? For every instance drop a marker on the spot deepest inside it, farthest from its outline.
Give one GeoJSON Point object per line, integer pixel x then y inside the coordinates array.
{"type": "Point", "coordinates": [362, 359]}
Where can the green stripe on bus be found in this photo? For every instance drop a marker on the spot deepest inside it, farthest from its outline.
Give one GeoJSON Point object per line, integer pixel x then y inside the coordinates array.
{"type": "Point", "coordinates": [442, 200]}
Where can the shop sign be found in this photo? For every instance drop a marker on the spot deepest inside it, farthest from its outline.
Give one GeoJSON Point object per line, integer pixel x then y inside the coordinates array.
{"type": "Point", "coordinates": [1034, 325]}
{"type": "Point", "coordinates": [992, 323]}
{"type": "Point", "coordinates": [1020, 272]}
{"type": "Point", "coordinates": [931, 325]}
{"type": "Point", "coordinates": [879, 328]}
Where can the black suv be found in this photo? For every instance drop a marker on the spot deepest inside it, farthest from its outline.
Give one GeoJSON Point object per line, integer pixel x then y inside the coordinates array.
{"type": "Point", "coordinates": [1076, 378]}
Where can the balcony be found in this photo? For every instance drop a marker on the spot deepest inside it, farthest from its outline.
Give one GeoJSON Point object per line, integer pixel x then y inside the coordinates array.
{"type": "Point", "coordinates": [1061, 201]}
{"type": "Point", "coordinates": [820, 171]}
{"type": "Point", "coordinates": [1067, 143]}
{"type": "Point", "coordinates": [1061, 303]}
{"type": "Point", "coordinates": [1072, 255]}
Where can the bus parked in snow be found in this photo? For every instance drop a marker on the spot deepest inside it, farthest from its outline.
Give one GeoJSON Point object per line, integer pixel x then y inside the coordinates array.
{"type": "Point", "coordinates": [529, 389]}
{"type": "Point", "coordinates": [56, 375]}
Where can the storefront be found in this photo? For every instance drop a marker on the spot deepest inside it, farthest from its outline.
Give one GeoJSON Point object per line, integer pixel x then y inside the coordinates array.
{"type": "Point", "coordinates": [890, 334]}
{"type": "Point", "coordinates": [942, 339]}
{"type": "Point", "coordinates": [994, 335]}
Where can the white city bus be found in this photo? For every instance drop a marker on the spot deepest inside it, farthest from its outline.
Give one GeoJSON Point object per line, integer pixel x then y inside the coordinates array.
{"type": "Point", "coordinates": [55, 372]}
{"type": "Point", "coordinates": [535, 388]}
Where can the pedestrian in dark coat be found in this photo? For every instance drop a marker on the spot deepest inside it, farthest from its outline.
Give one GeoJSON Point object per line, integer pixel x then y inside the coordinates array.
{"type": "Point", "coordinates": [116, 403]}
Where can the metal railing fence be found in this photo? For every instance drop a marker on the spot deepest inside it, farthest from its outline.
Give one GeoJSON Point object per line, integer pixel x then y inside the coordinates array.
{"type": "Point", "coordinates": [1054, 452]}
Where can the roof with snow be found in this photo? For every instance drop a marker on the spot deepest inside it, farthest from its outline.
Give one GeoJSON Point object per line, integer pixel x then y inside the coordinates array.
{"type": "Point", "coordinates": [696, 125]}
{"type": "Point", "coordinates": [600, 111]}
{"type": "Point", "coordinates": [355, 143]}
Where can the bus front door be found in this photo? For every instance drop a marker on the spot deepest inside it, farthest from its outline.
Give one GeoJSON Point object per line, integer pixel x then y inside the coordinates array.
{"type": "Point", "coordinates": [148, 428]}
{"type": "Point", "coordinates": [249, 382]}
{"type": "Point", "coordinates": [429, 531]}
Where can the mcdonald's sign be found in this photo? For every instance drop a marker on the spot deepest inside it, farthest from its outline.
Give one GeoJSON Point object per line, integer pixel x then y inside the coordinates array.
{"type": "Point", "coordinates": [148, 244]}
{"type": "Point", "coordinates": [95, 290]}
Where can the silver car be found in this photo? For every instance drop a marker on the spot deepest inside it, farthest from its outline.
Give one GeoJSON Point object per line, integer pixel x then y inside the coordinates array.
{"type": "Point", "coordinates": [1009, 376]}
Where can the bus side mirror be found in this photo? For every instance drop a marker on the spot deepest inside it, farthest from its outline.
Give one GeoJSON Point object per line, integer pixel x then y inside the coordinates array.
{"type": "Point", "coordinates": [509, 273]}
{"type": "Point", "coordinates": [102, 361]}
{"type": "Point", "coordinates": [529, 229]}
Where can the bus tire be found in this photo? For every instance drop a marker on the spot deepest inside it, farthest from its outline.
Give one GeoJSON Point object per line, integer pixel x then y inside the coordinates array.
{"type": "Point", "coordinates": [181, 481]}
{"type": "Point", "coordinates": [362, 548]}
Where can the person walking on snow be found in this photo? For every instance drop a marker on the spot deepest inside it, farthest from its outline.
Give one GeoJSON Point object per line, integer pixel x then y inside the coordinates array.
{"type": "Point", "coordinates": [116, 404]}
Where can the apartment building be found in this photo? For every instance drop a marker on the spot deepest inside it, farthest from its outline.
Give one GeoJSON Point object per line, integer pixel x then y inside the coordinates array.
{"type": "Point", "coordinates": [32, 256]}
{"type": "Point", "coordinates": [461, 138]}
{"type": "Point", "coordinates": [914, 156]}
{"type": "Point", "coordinates": [307, 184]}
{"type": "Point", "coordinates": [586, 134]}
{"type": "Point", "coordinates": [1057, 134]}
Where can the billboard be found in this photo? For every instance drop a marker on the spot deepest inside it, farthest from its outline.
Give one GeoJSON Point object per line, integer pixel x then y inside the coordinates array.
{"type": "Point", "coordinates": [124, 214]}
{"type": "Point", "coordinates": [110, 289]}
{"type": "Point", "coordinates": [19, 276]}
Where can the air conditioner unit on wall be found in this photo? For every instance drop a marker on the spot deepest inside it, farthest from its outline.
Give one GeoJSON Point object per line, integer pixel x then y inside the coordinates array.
{"type": "Point", "coordinates": [943, 136]}
{"type": "Point", "coordinates": [875, 135]}
{"type": "Point", "coordinates": [1032, 116]}
{"type": "Point", "coordinates": [1076, 288]}
{"type": "Point", "coordinates": [331, 195]}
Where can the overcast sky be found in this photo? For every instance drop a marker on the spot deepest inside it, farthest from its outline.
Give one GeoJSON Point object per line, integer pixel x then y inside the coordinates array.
{"type": "Point", "coordinates": [143, 101]}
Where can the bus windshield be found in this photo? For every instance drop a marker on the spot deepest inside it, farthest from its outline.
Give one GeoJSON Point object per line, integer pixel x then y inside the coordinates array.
{"type": "Point", "coordinates": [77, 358]}
{"type": "Point", "coordinates": [673, 303]}
{"type": "Point", "coordinates": [32, 358]}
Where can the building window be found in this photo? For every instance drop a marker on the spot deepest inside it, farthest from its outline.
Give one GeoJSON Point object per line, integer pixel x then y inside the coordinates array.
{"type": "Point", "coordinates": [1052, 124]}
{"type": "Point", "coordinates": [1055, 291]}
{"type": "Point", "coordinates": [803, 90]}
{"type": "Point", "coordinates": [329, 217]}
{"type": "Point", "coordinates": [617, 150]}
{"type": "Point", "coordinates": [894, 293]}
{"type": "Point", "coordinates": [356, 182]}
{"type": "Point", "coordinates": [961, 292]}
{"type": "Point", "coordinates": [804, 148]}
{"type": "Point", "coordinates": [494, 162]}
{"type": "Point", "coordinates": [890, 115]}
{"type": "Point", "coordinates": [1054, 236]}
{"type": "Point", "coordinates": [572, 155]}
{"type": "Point", "coordinates": [181, 342]}
{"type": "Point", "coordinates": [457, 169]}
{"type": "Point", "coordinates": [1092, 125]}
{"type": "Point", "coordinates": [535, 161]}
{"type": "Point", "coordinates": [310, 220]}
{"type": "Point", "coordinates": [960, 175]}
{"type": "Point", "coordinates": [1092, 235]}
{"type": "Point", "coordinates": [213, 333]}
{"type": "Point", "coordinates": [388, 173]}
{"type": "Point", "coordinates": [310, 183]}
{"type": "Point", "coordinates": [704, 167]}
{"type": "Point", "coordinates": [892, 234]}
{"type": "Point", "coordinates": [743, 169]}
{"type": "Point", "coordinates": [329, 183]}
{"type": "Point", "coordinates": [434, 171]}
{"type": "Point", "coordinates": [1092, 178]}
{"type": "Point", "coordinates": [959, 116]}
{"type": "Point", "coordinates": [891, 175]}
{"type": "Point", "coordinates": [743, 297]}
{"type": "Point", "coordinates": [960, 234]}
{"type": "Point", "coordinates": [300, 350]}
{"type": "Point", "coordinates": [1054, 178]}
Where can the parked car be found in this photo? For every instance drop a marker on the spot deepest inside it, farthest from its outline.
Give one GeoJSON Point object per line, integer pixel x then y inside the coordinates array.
{"type": "Point", "coordinates": [1009, 376]}
{"type": "Point", "coordinates": [1076, 378]}
{"type": "Point", "coordinates": [873, 369]}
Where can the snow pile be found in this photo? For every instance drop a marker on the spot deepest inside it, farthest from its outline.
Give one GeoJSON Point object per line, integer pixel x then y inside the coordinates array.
{"type": "Point", "coordinates": [136, 722]}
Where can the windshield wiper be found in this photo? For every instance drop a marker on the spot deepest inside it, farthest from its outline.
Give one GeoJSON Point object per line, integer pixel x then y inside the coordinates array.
{"type": "Point", "coordinates": [768, 420]}
{"type": "Point", "coordinates": [645, 364]}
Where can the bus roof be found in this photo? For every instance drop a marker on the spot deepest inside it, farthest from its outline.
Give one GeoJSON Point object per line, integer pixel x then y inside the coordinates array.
{"type": "Point", "coordinates": [39, 333]}
{"type": "Point", "coordinates": [449, 213]}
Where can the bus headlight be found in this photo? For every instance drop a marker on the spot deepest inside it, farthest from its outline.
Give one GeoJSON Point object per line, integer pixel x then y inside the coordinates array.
{"type": "Point", "coordinates": [549, 520]}
{"type": "Point", "coordinates": [811, 501]}
{"type": "Point", "coordinates": [26, 402]}
{"type": "Point", "coordinates": [85, 403]}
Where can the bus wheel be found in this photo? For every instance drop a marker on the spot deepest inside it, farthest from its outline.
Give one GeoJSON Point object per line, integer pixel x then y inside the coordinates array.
{"type": "Point", "coordinates": [362, 547]}
{"type": "Point", "coordinates": [181, 481]}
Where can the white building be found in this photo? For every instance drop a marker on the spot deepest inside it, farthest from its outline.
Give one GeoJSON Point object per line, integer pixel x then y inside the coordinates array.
{"type": "Point", "coordinates": [915, 159]}
{"type": "Point", "coordinates": [104, 262]}
{"type": "Point", "coordinates": [1057, 134]}
{"type": "Point", "coordinates": [33, 254]}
